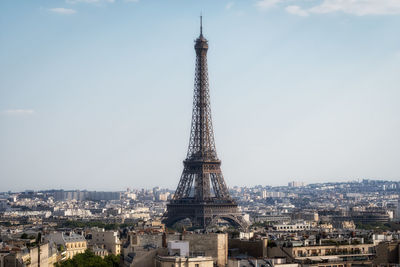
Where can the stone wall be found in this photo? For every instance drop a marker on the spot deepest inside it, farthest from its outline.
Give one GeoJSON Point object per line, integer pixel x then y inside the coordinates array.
{"type": "Point", "coordinates": [213, 245]}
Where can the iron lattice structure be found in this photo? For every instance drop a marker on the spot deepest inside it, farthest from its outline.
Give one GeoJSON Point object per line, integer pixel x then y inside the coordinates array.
{"type": "Point", "coordinates": [202, 195]}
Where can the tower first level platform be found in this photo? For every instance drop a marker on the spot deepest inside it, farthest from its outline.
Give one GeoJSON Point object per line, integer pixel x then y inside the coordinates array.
{"type": "Point", "coordinates": [204, 214]}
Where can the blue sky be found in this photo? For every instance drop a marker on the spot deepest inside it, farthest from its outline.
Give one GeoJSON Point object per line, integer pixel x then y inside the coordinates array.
{"type": "Point", "coordinates": [97, 94]}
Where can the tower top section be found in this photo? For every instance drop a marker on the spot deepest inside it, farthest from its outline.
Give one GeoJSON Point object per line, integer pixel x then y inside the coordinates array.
{"type": "Point", "coordinates": [201, 43]}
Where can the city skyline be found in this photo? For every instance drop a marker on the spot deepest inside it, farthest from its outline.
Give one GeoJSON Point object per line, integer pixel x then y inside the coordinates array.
{"type": "Point", "coordinates": [94, 94]}
{"type": "Point", "coordinates": [273, 188]}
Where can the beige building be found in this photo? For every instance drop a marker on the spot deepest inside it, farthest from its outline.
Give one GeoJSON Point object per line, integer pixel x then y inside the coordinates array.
{"type": "Point", "coordinates": [72, 243]}
{"type": "Point", "coordinates": [53, 257]}
{"type": "Point", "coordinates": [106, 239]}
{"type": "Point", "coordinates": [101, 252]}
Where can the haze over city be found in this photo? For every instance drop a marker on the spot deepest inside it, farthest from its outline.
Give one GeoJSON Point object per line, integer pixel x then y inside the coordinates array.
{"type": "Point", "coordinates": [98, 94]}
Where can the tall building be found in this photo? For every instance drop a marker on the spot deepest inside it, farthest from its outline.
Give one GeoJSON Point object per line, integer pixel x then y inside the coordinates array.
{"type": "Point", "coordinates": [202, 195]}
{"type": "Point", "coordinates": [295, 184]}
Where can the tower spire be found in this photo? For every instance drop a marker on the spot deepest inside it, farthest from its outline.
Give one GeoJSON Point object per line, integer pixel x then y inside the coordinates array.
{"type": "Point", "coordinates": [201, 25]}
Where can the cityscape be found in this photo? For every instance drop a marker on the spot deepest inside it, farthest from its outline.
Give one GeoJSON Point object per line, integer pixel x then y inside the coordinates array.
{"type": "Point", "coordinates": [352, 223]}
{"type": "Point", "coordinates": [209, 219]}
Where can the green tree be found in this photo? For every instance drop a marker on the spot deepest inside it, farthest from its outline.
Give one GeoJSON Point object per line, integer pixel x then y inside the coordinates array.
{"type": "Point", "coordinates": [24, 236]}
{"type": "Point", "coordinates": [112, 260]}
{"type": "Point", "coordinates": [89, 259]}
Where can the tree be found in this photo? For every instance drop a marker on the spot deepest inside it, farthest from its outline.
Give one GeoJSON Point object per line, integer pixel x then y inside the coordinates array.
{"type": "Point", "coordinates": [61, 248]}
{"type": "Point", "coordinates": [112, 260]}
{"type": "Point", "coordinates": [89, 259]}
{"type": "Point", "coordinates": [24, 236]}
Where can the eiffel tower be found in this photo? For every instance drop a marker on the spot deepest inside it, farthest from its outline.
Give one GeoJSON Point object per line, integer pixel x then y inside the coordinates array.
{"type": "Point", "coordinates": [202, 195]}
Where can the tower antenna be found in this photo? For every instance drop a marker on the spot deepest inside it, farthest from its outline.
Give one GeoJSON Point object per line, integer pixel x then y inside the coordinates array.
{"type": "Point", "coordinates": [201, 24]}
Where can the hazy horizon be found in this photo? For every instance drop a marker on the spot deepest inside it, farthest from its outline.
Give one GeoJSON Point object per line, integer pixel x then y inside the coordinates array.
{"type": "Point", "coordinates": [173, 189]}
{"type": "Point", "coordinates": [97, 94]}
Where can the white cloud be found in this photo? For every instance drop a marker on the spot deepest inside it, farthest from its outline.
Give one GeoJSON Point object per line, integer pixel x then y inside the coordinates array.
{"type": "Point", "coordinates": [61, 10]}
{"type": "Point", "coordinates": [134, 1]}
{"type": "Point", "coordinates": [229, 5]}
{"type": "Point", "coordinates": [354, 7]}
{"type": "Point", "coordinates": [266, 4]}
{"type": "Point", "coordinates": [89, 1]}
{"type": "Point", "coordinates": [19, 111]}
{"type": "Point", "coordinates": [296, 10]}
{"type": "Point", "coordinates": [359, 7]}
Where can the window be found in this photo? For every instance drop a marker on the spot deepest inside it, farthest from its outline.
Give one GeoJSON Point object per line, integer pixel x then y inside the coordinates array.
{"type": "Point", "coordinates": [196, 265]}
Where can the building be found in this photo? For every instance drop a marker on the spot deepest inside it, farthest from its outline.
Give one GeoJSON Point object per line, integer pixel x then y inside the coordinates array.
{"type": "Point", "coordinates": [86, 195]}
{"type": "Point", "coordinates": [106, 239]}
{"type": "Point", "coordinates": [178, 248]}
{"type": "Point", "coordinates": [368, 217]}
{"type": "Point", "coordinates": [71, 243]}
{"type": "Point", "coordinates": [339, 255]}
{"type": "Point", "coordinates": [387, 254]}
{"type": "Point", "coordinates": [311, 216]}
{"type": "Point", "coordinates": [26, 257]}
{"type": "Point", "coordinates": [180, 256]}
{"type": "Point", "coordinates": [141, 245]}
{"type": "Point", "coordinates": [296, 227]}
{"type": "Point", "coordinates": [98, 251]}
{"type": "Point", "coordinates": [168, 261]}
{"type": "Point", "coordinates": [253, 248]}
{"type": "Point", "coordinates": [259, 262]}
{"type": "Point", "coordinates": [295, 184]}
{"type": "Point", "coordinates": [272, 218]}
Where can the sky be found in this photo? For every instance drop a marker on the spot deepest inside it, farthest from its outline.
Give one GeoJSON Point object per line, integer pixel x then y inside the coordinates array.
{"type": "Point", "coordinates": [97, 94]}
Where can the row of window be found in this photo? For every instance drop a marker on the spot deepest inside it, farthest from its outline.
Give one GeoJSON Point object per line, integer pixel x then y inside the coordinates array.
{"type": "Point", "coordinates": [294, 227]}
{"type": "Point", "coordinates": [71, 254]}
{"type": "Point", "coordinates": [76, 245]}
{"type": "Point", "coordinates": [319, 252]}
